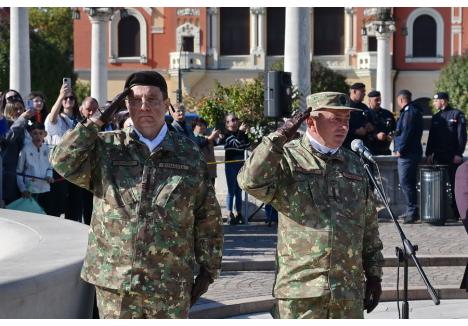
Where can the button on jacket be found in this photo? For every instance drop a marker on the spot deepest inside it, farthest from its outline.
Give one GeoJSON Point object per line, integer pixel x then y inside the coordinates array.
{"type": "Point", "coordinates": [155, 213]}
{"type": "Point", "coordinates": [328, 235]}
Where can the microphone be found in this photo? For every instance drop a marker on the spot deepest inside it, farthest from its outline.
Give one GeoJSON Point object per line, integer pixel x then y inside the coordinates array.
{"type": "Point", "coordinates": [358, 146]}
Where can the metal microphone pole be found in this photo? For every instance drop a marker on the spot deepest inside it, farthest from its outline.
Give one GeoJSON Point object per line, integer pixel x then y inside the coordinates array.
{"type": "Point", "coordinates": [403, 255]}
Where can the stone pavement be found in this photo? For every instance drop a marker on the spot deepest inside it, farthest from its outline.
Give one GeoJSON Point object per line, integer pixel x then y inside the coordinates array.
{"type": "Point", "coordinates": [248, 265]}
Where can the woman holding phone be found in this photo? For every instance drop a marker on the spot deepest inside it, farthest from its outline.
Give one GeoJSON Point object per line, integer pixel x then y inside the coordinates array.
{"type": "Point", "coordinates": [63, 116]}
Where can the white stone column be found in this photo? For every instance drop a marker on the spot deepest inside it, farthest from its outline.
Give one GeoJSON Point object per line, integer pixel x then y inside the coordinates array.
{"type": "Point", "coordinates": [20, 64]}
{"type": "Point", "coordinates": [384, 69]}
{"type": "Point", "coordinates": [213, 28]}
{"type": "Point", "coordinates": [262, 30]}
{"type": "Point", "coordinates": [99, 24]}
{"type": "Point", "coordinates": [297, 49]}
{"type": "Point", "coordinates": [253, 30]}
{"type": "Point", "coordinates": [349, 44]}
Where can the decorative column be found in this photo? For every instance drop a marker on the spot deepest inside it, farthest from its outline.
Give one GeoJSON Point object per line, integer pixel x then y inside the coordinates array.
{"type": "Point", "coordinates": [297, 50]}
{"type": "Point", "coordinates": [213, 37]}
{"type": "Point", "coordinates": [384, 69]}
{"type": "Point", "coordinates": [257, 36]}
{"type": "Point", "coordinates": [99, 18]}
{"type": "Point", "coordinates": [383, 24]}
{"type": "Point", "coordinates": [20, 65]}
{"type": "Point", "coordinates": [349, 44]}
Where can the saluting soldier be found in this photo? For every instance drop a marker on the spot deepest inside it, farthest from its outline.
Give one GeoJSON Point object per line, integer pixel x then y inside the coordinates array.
{"type": "Point", "coordinates": [447, 138]}
{"type": "Point", "coordinates": [384, 125]}
{"type": "Point", "coordinates": [328, 239]}
{"type": "Point", "coordinates": [155, 211]}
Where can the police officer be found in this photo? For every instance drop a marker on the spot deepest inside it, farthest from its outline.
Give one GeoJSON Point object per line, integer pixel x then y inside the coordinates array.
{"type": "Point", "coordinates": [447, 138]}
{"type": "Point", "coordinates": [360, 125]}
{"type": "Point", "coordinates": [384, 125]}
{"type": "Point", "coordinates": [408, 149]}
{"type": "Point", "coordinates": [328, 238]}
{"type": "Point", "coordinates": [155, 211]}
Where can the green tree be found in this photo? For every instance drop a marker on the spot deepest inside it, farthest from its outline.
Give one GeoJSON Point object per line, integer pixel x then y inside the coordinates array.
{"type": "Point", "coordinates": [51, 39]}
{"type": "Point", "coordinates": [454, 80]}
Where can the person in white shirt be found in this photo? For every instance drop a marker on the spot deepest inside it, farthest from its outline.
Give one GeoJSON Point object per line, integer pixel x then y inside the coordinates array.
{"type": "Point", "coordinates": [63, 116]}
{"type": "Point", "coordinates": [34, 172]}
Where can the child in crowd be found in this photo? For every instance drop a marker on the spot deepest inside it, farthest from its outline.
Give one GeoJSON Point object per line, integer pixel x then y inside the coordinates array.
{"type": "Point", "coordinates": [34, 172]}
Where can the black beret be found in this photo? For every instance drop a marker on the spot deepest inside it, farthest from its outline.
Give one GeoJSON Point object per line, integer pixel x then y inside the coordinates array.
{"type": "Point", "coordinates": [373, 94]}
{"type": "Point", "coordinates": [357, 86]}
{"type": "Point", "coordinates": [441, 96]}
{"type": "Point", "coordinates": [147, 78]}
{"type": "Point", "coordinates": [404, 92]}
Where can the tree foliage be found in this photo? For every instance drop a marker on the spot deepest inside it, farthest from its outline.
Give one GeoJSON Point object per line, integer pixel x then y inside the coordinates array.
{"type": "Point", "coordinates": [454, 80]}
{"type": "Point", "coordinates": [246, 99]}
{"type": "Point", "coordinates": [51, 39]}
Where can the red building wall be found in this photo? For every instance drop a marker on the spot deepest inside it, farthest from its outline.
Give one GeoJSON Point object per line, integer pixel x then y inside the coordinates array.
{"type": "Point", "coordinates": [159, 44]}
{"type": "Point", "coordinates": [401, 15]}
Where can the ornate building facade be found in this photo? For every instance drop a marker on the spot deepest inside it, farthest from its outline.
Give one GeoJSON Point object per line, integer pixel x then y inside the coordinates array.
{"type": "Point", "coordinates": [228, 44]}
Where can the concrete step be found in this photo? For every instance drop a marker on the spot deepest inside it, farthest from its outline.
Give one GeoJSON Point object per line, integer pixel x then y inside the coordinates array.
{"type": "Point", "coordinates": [237, 293]}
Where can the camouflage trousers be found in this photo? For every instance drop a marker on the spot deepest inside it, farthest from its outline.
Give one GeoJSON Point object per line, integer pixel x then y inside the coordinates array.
{"type": "Point", "coordinates": [113, 304]}
{"type": "Point", "coordinates": [318, 308]}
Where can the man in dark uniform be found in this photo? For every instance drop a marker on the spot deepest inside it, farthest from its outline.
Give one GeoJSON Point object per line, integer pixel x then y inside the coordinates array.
{"type": "Point", "coordinates": [447, 138]}
{"type": "Point", "coordinates": [384, 125]}
{"type": "Point", "coordinates": [408, 149]}
{"type": "Point", "coordinates": [359, 124]}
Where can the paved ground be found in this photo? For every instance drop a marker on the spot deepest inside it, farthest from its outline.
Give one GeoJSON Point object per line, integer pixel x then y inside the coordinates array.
{"type": "Point", "coordinates": [424, 309]}
{"type": "Point", "coordinates": [256, 242]}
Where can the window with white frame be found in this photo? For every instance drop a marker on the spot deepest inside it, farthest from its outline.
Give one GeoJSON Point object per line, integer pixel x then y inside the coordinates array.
{"type": "Point", "coordinates": [425, 39]}
{"type": "Point", "coordinates": [128, 38]}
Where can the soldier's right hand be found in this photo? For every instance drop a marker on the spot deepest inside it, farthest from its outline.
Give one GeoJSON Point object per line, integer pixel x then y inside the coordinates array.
{"type": "Point", "coordinates": [290, 127]}
{"type": "Point", "coordinates": [106, 113]}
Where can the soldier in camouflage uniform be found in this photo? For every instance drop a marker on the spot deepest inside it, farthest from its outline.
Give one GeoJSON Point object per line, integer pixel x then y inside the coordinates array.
{"type": "Point", "coordinates": [155, 211]}
{"type": "Point", "coordinates": [328, 258]}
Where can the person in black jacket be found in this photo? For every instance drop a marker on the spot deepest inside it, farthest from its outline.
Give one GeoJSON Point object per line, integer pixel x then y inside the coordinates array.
{"type": "Point", "coordinates": [360, 125]}
{"type": "Point", "coordinates": [408, 149]}
{"type": "Point", "coordinates": [447, 138]}
{"type": "Point", "coordinates": [235, 143]}
{"type": "Point", "coordinates": [384, 125]}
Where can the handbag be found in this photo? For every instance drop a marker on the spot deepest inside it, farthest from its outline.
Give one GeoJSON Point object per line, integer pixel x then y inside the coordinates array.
{"type": "Point", "coordinates": [26, 205]}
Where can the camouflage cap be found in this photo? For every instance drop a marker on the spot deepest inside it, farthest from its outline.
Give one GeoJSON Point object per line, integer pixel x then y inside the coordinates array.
{"type": "Point", "coordinates": [329, 100]}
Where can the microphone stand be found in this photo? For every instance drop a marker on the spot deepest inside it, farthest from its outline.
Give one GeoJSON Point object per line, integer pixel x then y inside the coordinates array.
{"type": "Point", "coordinates": [403, 254]}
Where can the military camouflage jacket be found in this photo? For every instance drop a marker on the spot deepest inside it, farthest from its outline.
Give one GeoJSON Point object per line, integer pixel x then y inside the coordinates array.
{"type": "Point", "coordinates": [154, 213]}
{"type": "Point", "coordinates": [327, 229]}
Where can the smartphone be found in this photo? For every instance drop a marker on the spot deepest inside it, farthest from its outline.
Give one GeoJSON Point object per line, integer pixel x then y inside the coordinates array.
{"type": "Point", "coordinates": [29, 105]}
{"type": "Point", "coordinates": [67, 80]}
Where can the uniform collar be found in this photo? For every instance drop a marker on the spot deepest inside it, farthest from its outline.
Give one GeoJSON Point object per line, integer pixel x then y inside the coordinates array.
{"type": "Point", "coordinates": [165, 144]}
{"type": "Point", "coordinates": [338, 155]}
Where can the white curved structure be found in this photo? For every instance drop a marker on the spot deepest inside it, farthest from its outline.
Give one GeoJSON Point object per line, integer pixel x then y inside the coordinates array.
{"type": "Point", "coordinates": [40, 262]}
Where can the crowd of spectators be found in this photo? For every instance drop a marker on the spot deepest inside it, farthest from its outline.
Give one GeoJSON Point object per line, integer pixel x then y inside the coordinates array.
{"type": "Point", "coordinates": [28, 131]}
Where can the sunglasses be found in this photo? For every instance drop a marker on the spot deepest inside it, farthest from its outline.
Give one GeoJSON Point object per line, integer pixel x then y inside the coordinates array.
{"type": "Point", "coordinates": [69, 98]}
{"type": "Point", "coordinates": [13, 98]}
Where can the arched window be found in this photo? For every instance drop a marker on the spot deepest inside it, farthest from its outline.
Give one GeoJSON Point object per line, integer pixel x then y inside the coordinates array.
{"type": "Point", "coordinates": [424, 37]}
{"type": "Point", "coordinates": [129, 37]}
{"type": "Point", "coordinates": [275, 30]}
{"type": "Point", "coordinates": [234, 31]}
{"type": "Point", "coordinates": [328, 31]}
